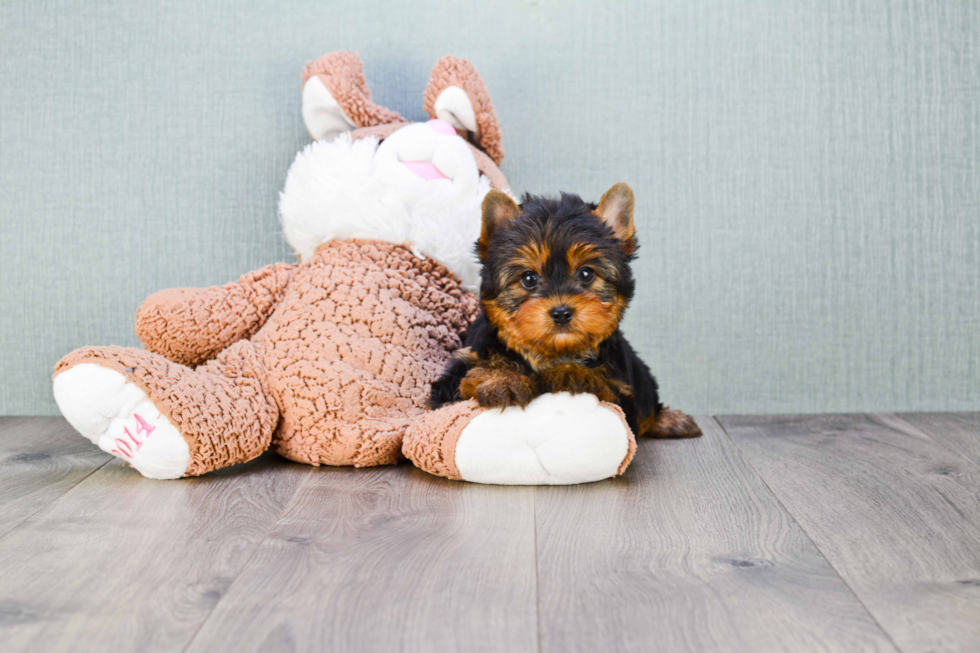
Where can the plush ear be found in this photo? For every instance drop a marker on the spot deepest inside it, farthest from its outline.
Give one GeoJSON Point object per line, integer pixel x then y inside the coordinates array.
{"type": "Point", "coordinates": [453, 105]}
{"type": "Point", "coordinates": [498, 210]}
{"type": "Point", "coordinates": [456, 94]}
{"type": "Point", "coordinates": [322, 113]}
{"type": "Point", "coordinates": [336, 97]}
{"type": "Point", "coordinates": [616, 210]}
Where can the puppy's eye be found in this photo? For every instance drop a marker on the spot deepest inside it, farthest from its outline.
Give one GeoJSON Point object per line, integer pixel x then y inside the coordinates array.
{"type": "Point", "coordinates": [585, 275]}
{"type": "Point", "coordinates": [529, 279]}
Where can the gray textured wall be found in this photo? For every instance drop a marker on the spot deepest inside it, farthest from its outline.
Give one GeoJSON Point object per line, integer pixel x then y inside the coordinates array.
{"type": "Point", "coordinates": [808, 174]}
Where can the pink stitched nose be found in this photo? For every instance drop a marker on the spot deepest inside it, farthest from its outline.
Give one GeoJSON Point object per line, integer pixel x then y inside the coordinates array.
{"type": "Point", "coordinates": [441, 126]}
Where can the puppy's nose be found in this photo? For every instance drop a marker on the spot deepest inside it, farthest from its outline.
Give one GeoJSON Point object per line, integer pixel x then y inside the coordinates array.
{"type": "Point", "coordinates": [561, 315]}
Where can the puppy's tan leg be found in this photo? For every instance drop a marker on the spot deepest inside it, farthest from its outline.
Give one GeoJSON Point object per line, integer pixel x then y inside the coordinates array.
{"type": "Point", "coordinates": [498, 387]}
{"type": "Point", "coordinates": [669, 423]}
{"type": "Point", "coordinates": [579, 379]}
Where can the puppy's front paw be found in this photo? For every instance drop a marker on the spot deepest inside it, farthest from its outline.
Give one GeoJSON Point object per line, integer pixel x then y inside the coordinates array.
{"type": "Point", "coordinates": [497, 388]}
{"type": "Point", "coordinates": [579, 379]}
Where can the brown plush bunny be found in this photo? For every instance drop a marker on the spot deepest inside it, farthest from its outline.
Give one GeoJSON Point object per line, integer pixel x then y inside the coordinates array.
{"type": "Point", "coordinates": [329, 359]}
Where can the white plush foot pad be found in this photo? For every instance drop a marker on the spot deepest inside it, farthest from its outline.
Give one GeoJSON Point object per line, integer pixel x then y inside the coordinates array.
{"type": "Point", "coordinates": [558, 439]}
{"type": "Point", "coordinates": [117, 416]}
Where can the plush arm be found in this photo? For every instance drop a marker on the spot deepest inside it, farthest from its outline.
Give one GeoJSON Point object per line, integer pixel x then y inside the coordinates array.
{"type": "Point", "coordinates": [192, 325]}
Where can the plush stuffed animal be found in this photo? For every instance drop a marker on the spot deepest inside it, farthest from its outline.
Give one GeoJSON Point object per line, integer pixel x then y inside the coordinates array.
{"type": "Point", "coordinates": [329, 359]}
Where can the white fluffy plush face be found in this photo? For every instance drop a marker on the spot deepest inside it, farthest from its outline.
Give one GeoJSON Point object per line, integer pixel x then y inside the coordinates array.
{"type": "Point", "coordinates": [420, 187]}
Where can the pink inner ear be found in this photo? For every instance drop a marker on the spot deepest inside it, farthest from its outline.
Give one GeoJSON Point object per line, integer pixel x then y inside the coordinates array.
{"type": "Point", "coordinates": [425, 169]}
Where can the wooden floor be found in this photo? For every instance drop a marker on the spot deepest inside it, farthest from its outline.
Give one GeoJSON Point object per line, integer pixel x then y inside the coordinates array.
{"type": "Point", "coordinates": [820, 533]}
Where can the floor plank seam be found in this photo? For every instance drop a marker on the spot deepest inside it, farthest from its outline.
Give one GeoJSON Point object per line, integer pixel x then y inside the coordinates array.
{"type": "Point", "coordinates": [53, 501]}
{"type": "Point", "coordinates": [537, 575]}
{"type": "Point", "coordinates": [255, 549]}
{"type": "Point", "coordinates": [932, 440]}
{"type": "Point", "coordinates": [936, 443]}
{"type": "Point", "coordinates": [803, 530]}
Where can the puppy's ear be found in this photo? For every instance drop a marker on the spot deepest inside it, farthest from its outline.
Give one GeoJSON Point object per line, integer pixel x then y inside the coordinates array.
{"type": "Point", "coordinates": [616, 210]}
{"type": "Point", "coordinates": [498, 210]}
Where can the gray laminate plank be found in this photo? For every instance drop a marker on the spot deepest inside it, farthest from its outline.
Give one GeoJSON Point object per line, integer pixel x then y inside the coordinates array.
{"type": "Point", "coordinates": [896, 514]}
{"type": "Point", "coordinates": [41, 458]}
{"type": "Point", "coordinates": [387, 559]}
{"type": "Point", "coordinates": [120, 562]}
{"type": "Point", "coordinates": [959, 432]}
{"type": "Point", "coordinates": [689, 551]}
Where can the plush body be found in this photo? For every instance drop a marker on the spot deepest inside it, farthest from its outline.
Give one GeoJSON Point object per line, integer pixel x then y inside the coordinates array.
{"type": "Point", "coordinates": [329, 360]}
{"type": "Point", "coordinates": [340, 344]}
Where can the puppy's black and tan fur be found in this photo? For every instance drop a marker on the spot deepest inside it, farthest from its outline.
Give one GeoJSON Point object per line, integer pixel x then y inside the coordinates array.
{"type": "Point", "coordinates": [556, 280]}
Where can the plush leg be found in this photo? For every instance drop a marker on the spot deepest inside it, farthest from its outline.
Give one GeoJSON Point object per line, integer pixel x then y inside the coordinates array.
{"type": "Point", "coordinates": [163, 418]}
{"type": "Point", "coordinates": [559, 439]}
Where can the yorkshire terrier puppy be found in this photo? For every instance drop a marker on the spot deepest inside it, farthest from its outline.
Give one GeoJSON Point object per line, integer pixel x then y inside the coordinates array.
{"type": "Point", "coordinates": [556, 281]}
